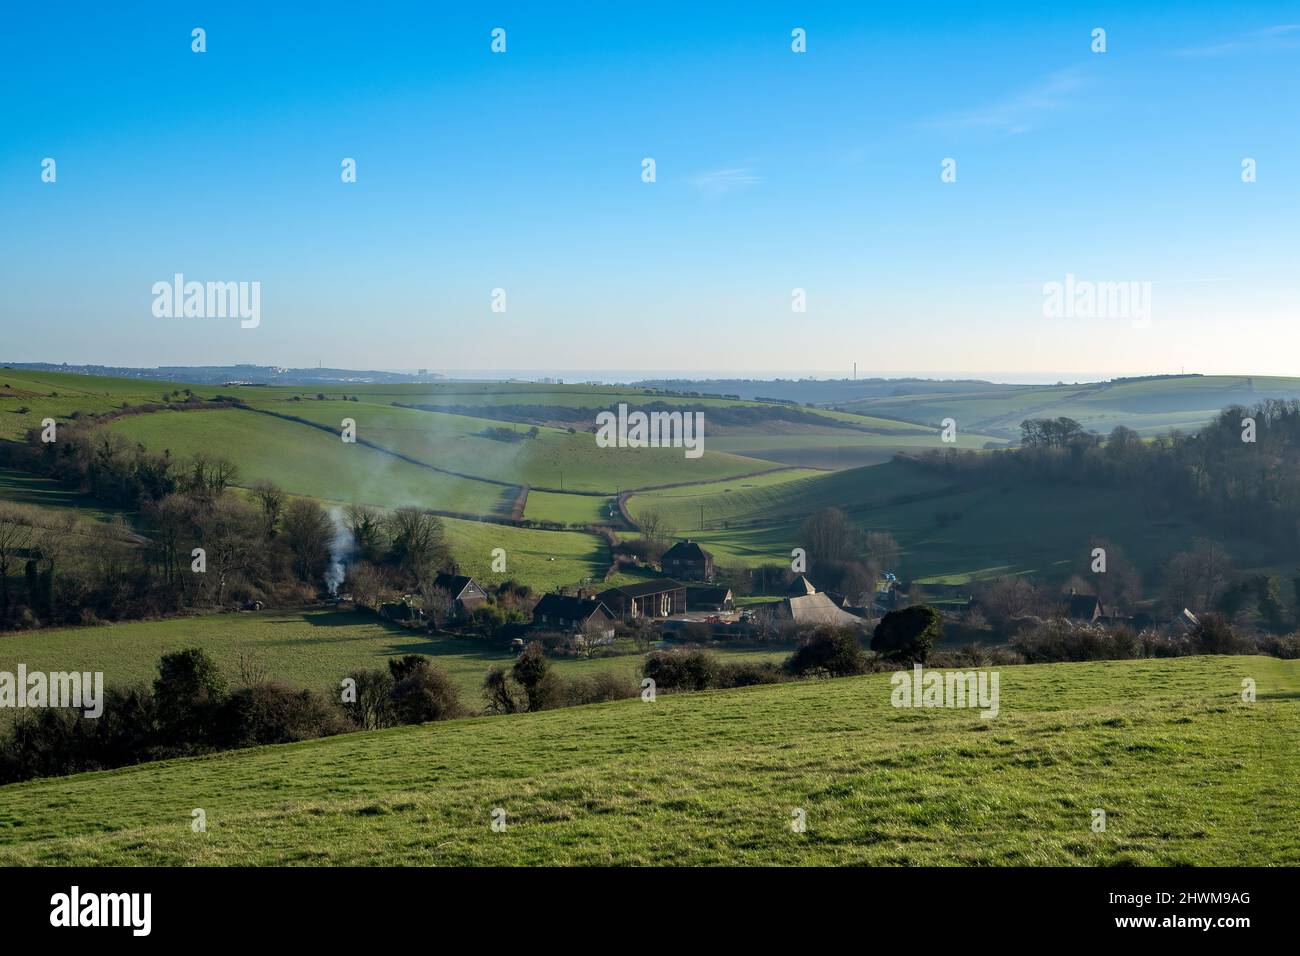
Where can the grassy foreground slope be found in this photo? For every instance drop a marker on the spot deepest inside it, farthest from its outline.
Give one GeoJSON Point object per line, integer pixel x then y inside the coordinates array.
{"type": "Point", "coordinates": [1187, 774]}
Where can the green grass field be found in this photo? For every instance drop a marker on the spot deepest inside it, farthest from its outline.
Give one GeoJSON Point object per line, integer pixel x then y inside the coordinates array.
{"type": "Point", "coordinates": [310, 462]}
{"type": "Point", "coordinates": [57, 395]}
{"type": "Point", "coordinates": [570, 509]}
{"type": "Point", "coordinates": [541, 559]}
{"type": "Point", "coordinates": [840, 448]}
{"type": "Point", "coordinates": [314, 648]}
{"type": "Point", "coordinates": [1186, 773]}
{"type": "Point", "coordinates": [555, 459]}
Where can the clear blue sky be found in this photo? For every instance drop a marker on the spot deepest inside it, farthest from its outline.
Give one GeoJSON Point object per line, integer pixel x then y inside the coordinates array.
{"type": "Point", "coordinates": [775, 170]}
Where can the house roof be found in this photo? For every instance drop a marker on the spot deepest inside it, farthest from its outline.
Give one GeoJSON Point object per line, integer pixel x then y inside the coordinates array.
{"type": "Point", "coordinates": [643, 589]}
{"type": "Point", "coordinates": [1084, 606]}
{"type": "Point", "coordinates": [686, 550]}
{"type": "Point", "coordinates": [819, 609]}
{"type": "Point", "coordinates": [568, 607]}
{"type": "Point", "coordinates": [709, 594]}
{"type": "Point", "coordinates": [455, 584]}
{"type": "Point", "coordinates": [800, 587]}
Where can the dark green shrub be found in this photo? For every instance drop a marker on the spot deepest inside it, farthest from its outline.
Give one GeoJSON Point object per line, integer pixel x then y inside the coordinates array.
{"type": "Point", "coordinates": [426, 693]}
{"type": "Point", "coordinates": [682, 669]}
{"type": "Point", "coordinates": [834, 652]}
{"type": "Point", "coordinates": [908, 634]}
{"type": "Point", "coordinates": [271, 713]}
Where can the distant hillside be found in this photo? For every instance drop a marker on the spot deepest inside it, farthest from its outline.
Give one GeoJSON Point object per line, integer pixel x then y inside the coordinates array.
{"type": "Point", "coordinates": [221, 374]}
{"type": "Point", "coordinates": [1148, 405]}
{"type": "Point", "coordinates": [949, 528]}
{"type": "Point", "coordinates": [820, 391]}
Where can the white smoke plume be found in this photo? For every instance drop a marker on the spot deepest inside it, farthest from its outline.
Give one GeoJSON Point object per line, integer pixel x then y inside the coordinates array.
{"type": "Point", "coordinates": [342, 547]}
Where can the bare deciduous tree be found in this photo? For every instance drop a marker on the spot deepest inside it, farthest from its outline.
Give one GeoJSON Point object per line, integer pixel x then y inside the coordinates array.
{"type": "Point", "coordinates": [270, 498]}
{"type": "Point", "coordinates": [367, 528]}
{"type": "Point", "coordinates": [656, 529]}
{"type": "Point", "coordinates": [829, 537]}
{"type": "Point", "coordinates": [417, 537]}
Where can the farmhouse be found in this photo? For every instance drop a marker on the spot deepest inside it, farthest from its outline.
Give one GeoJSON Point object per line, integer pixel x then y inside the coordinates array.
{"type": "Point", "coordinates": [662, 598]}
{"type": "Point", "coordinates": [563, 612]}
{"type": "Point", "coordinates": [688, 561]}
{"type": "Point", "coordinates": [465, 592]}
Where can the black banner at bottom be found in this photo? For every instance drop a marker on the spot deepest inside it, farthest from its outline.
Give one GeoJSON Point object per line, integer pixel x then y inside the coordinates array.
{"type": "Point", "coordinates": [342, 906]}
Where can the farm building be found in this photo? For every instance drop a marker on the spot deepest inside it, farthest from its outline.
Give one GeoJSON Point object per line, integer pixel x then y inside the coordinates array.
{"type": "Point", "coordinates": [800, 587]}
{"type": "Point", "coordinates": [804, 604]}
{"type": "Point", "coordinates": [688, 561]}
{"type": "Point", "coordinates": [661, 598]}
{"type": "Point", "coordinates": [464, 591]}
{"type": "Point", "coordinates": [1181, 623]}
{"type": "Point", "coordinates": [817, 609]}
{"type": "Point", "coordinates": [709, 598]}
{"type": "Point", "coordinates": [563, 612]}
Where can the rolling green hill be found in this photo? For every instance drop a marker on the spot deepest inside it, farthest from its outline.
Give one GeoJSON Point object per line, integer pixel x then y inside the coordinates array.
{"type": "Point", "coordinates": [948, 531]}
{"type": "Point", "coordinates": [57, 395]}
{"type": "Point", "coordinates": [553, 460]}
{"type": "Point", "coordinates": [1186, 773]}
{"type": "Point", "coordinates": [308, 461]}
{"type": "Point", "coordinates": [446, 460]}
{"type": "Point", "coordinates": [1149, 405]}
{"type": "Point", "coordinates": [838, 449]}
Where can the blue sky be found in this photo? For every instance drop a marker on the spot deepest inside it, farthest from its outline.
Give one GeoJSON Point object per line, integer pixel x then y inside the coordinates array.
{"type": "Point", "coordinates": [775, 170]}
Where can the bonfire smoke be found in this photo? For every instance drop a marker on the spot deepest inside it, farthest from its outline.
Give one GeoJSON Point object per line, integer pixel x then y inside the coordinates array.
{"type": "Point", "coordinates": [342, 547]}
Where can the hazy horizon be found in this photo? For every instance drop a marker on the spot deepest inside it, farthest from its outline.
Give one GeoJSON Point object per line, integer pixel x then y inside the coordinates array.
{"type": "Point", "coordinates": [624, 376]}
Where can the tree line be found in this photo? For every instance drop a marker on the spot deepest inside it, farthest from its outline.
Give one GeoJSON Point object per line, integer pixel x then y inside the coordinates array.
{"type": "Point", "coordinates": [198, 542]}
{"type": "Point", "coordinates": [1240, 472]}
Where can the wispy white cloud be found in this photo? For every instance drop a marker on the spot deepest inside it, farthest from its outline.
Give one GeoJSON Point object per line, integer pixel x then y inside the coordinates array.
{"type": "Point", "coordinates": [1278, 36]}
{"type": "Point", "coordinates": [1018, 112]}
{"type": "Point", "coordinates": [716, 182]}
